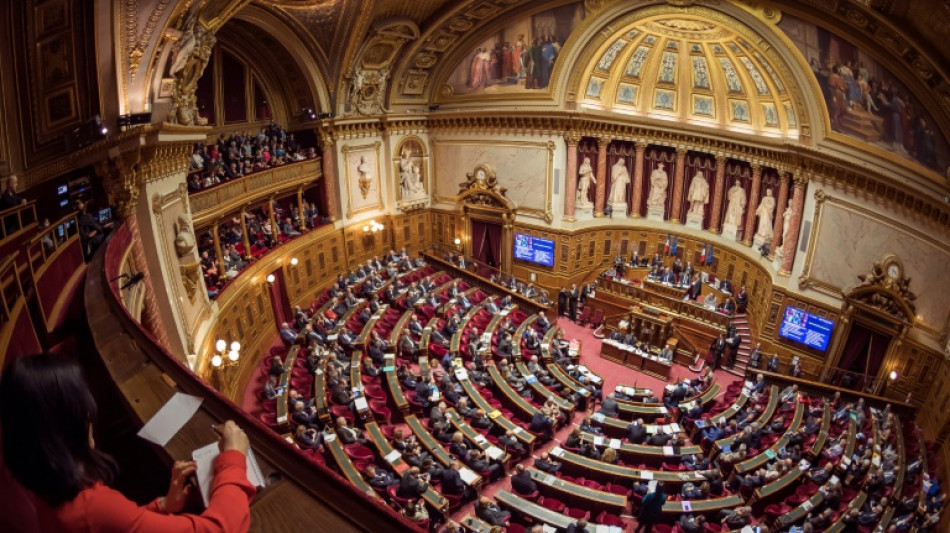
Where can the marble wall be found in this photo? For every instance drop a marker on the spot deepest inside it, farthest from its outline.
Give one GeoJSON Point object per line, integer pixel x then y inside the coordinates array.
{"type": "Point", "coordinates": [849, 238]}
{"type": "Point", "coordinates": [525, 168]}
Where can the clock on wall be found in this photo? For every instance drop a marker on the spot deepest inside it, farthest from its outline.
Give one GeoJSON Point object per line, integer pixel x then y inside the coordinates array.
{"type": "Point", "coordinates": [893, 267]}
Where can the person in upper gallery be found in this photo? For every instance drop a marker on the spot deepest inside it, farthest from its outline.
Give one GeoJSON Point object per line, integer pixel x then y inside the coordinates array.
{"type": "Point", "coordinates": [728, 307]}
{"type": "Point", "coordinates": [10, 198]}
{"type": "Point", "coordinates": [45, 399]}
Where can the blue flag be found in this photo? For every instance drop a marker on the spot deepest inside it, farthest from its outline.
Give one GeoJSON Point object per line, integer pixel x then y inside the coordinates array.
{"type": "Point", "coordinates": [709, 256]}
{"type": "Point", "coordinates": [674, 245]}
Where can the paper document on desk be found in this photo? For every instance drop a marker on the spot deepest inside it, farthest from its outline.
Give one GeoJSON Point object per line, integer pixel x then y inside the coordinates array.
{"type": "Point", "coordinates": [393, 456]}
{"type": "Point", "coordinates": [467, 475]}
{"type": "Point", "coordinates": [170, 418]}
{"type": "Point", "coordinates": [494, 452]}
{"type": "Point", "coordinates": [205, 472]}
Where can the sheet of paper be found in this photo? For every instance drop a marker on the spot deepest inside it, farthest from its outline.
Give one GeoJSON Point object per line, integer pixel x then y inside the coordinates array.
{"type": "Point", "coordinates": [204, 456]}
{"type": "Point", "coordinates": [647, 474]}
{"type": "Point", "coordinates": [598, 441]}
{"type": "Point", "coordinates": [668, 450]}
{"type": "Point", "coordinates": [615, 444]}
{"type": "Point", "coordinates": [468, 476]}
{"type": "Point", "coordinates": [495, 452]}
{"type": "Point", "coordinates": [393, 456]}
{"type": "Point", "coordinates": [170, 418]}
{"type": "Point", "coordinates": [361, 404]}
{"type": "Point", "coordinates": [687, 506]}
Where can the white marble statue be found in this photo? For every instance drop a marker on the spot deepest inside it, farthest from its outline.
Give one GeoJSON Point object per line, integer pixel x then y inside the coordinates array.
{"type": "Point", "coordinates": [658, 183]}
{"type": "Point", "coordinates": [619, 179]}
{"type": "Point", "coordinates": [786, 217]}
{"type": "Point", "coordinates": [586, 177]}
{"type": "Point", "coordinates": [764, 212]}
{"type": "Point", "coordinates": [366, 176]}
{"type": "Point", "coordinates": [736, 206]}
{"type": "Point", "coordinates": [410, 182]}
{"type": "Point", "coordinates": [698, 195]}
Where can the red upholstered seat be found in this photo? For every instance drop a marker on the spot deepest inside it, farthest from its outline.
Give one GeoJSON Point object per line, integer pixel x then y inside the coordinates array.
{"type": "Point", "coordinates": [553, 504]}
{"type": "Point", "coordinates": [577, 513]}
{"type": "Point", "coordinates": [607, 519]}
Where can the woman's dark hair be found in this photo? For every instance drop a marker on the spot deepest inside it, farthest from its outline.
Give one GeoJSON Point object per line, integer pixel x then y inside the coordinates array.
{"type": "Point", "coordinates": [46, 410]}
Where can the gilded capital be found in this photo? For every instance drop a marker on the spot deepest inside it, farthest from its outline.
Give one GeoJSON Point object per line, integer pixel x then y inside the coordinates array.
{"type": "Point", "coordinates": [572, 138]}
{"type": "Point", "coordinates": [800, 180]}
{"type": "Point", "coordinates": [642, 145]}
{"type": "Point", "coordinates": [604, 140]}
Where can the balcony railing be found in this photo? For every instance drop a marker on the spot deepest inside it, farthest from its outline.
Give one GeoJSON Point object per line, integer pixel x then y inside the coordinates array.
{"type": "Point", "coordinates": [210, 203]}
{"type": "Point", "coordinates": [16, 218]}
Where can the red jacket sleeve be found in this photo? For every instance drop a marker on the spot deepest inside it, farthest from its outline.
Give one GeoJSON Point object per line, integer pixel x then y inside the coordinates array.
{"type": "Point", "coordinates": [103, 510]}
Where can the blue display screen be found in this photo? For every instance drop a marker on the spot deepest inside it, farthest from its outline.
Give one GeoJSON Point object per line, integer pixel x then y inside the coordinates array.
{"type": "Point", "coordinates": [811, 330]}
{"type": "Point", "coordinates": [534, 249]}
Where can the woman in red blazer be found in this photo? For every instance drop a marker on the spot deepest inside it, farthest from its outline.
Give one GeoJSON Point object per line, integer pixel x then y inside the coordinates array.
{"type": "Point", "coordinates": [46, 416]}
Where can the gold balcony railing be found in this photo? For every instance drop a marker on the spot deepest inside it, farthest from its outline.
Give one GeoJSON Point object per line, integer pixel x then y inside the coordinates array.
{"type": "Point", "coordinates": [211, 203]}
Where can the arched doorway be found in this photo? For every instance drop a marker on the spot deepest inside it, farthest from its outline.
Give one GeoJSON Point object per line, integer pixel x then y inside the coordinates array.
{"type": "Point", "coordinates": [488, 217]}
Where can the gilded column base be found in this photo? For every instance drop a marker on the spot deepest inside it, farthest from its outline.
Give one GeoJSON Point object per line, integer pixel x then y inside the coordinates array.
{"type": "Point", "coordinates": [674, 221]}
{"type": "Point", "coordinates": [747, 243]}
{"type": "Point", "coordinates": [569, 219]}
{"type": "Point", "coordinates": [634, 215]}
{"type": "Point", "coordinates": [714, 231]}
{"type": "Point", "coordinates": [598, 215]}
{"type": "Point", "coordinates": [784, 273]}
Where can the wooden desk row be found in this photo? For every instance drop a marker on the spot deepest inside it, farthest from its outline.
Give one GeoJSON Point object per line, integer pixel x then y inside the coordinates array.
{"type": "Point", "coordinates": [767, 413]}
{"type": "Point", "coordinates": [479, 402]}
{"type": "Point", "coordinates": [779, 485]}
{"type": "Point", "coordinates": [752, 463]}
{"type": "Point", "coordinates": [574, 493]}
{"type": "Point", "coordinates": [652, 367]}
{"type": "Point", "coordinates": [283, 410]}
{"type": "Point", "coordinates": [395, 460]}
{"type": "Point", "coordinates": [524, 507]}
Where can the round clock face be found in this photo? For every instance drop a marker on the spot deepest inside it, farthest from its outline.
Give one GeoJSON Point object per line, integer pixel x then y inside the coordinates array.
{"type": "Point", "coordinates": [893, 271]}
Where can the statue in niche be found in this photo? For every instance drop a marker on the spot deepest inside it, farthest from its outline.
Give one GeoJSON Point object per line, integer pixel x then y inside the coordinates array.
{"type": "Point", "coordinates": [586, 177]}
{"type": "Point", "coordinates": [764, 212]}
{"type": "Point", "coordinates": [786, 217]}
{"type": "Point", "coordinates": [184, 235]}
{"type": "Point", "coordinates": [658, 183]}
{"type": "Point", "coordinates": [619, 179]}
{"type": "Point", "coordinates": [410, 177]}
{"type": "Point", "coordinates": [191, 55]}
{"type": "Point", "coordinates": [698, 194]}
{"type": "Point", "coordinates": [366, 176]}
{"type": "Point", "coordinates": [736, 206]}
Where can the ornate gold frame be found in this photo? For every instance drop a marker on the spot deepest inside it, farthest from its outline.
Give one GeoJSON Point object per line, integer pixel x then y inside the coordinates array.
{"type": "Point", "coordinates": [346, 149]}
{"type": "Point", "coordinates": [546, 213]}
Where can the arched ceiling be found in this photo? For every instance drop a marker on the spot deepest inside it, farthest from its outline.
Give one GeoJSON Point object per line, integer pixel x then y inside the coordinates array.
{"type": "Point", "coordinates": [691, 69]}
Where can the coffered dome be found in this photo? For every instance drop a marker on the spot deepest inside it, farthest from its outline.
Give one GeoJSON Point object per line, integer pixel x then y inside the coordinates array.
{"type": "Point", "coordinates": [690, 69]}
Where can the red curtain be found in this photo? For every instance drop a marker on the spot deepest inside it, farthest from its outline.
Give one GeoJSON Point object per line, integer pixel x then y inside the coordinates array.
{"type": "Point", "coordinates": [479, 241]}
{"type": "Point", "coordinates": [486, 243]}
{"type": "Point", "coordinates": [278, 298]}
{"type": "Point", "coordinates": [493, 236]}
{"type": "Point", "coordinates": [864, 351]}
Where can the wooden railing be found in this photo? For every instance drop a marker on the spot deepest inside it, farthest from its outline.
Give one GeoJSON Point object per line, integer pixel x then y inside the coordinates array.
{"type": "Point", "coordinates": [682, 308]}
{"type": "Point", "coordinates": [528, 305]}
{"type": "Point", "coordinates": [55, 258]}
{"type": "Point", "coordinates": [16, 218]}
{"type": "Point", "coordinates": [209, 203]}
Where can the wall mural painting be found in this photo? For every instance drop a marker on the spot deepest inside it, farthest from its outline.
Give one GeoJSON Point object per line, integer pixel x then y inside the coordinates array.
{"type": "Point", "coordinates": [520, 56]}
{"type": "Point", "coordinates": [866, 101]}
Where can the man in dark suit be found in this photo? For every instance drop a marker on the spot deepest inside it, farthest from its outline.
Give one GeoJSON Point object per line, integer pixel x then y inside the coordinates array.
{"type": "Point", "coordinates": [491, 513]}
{"type": "Point", "coordinates": [521, 481]}
{"type": "Point", "coordinates": [734, 343]}
{"type": "Point", "coordinates": [407, 346]}
{"type": "Point", "coordinates": [541, 425]}
{"type": "Point", "coordinates": [755, 357]}
{"type": "Point", "coordinates": [695, 288]}
{"type": "Point", "coordinates": [452, 483]}
{"type": "Point", "coordinates": [411, 486]}
{"type": "Point", "coordinates": [561, 301]}
{"type": "Point", "coordinates": [718, 346]}
{"type": "Point", "coordinates": [742, 299]}
{"type": "Point", "coordinates": [379, 478]}
{"type": "Point", "coordinates": [577, 527]}
{"type": "Point", "coordinates": [636, 431]}
{"type": "Point", "coordinates": [546, 464]}
{"type": "Point", "coordinates": [610, 407]}
{"type": "Point", "coordinates": [287, 333]}
{"type": "Point", "coordinates": [572, 303]}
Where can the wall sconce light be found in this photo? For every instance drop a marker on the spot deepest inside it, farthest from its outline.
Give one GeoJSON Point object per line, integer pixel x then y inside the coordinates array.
{"type": "Point", "coordinates": [224, 358]}
{"type": "Point", "coordinates": [373, 227]}
{"type": "Point", "coordinates": [893, 375]}
{"type": "Point", "coordinates": [270, 278]}
{"type": "Point", "coordinates": [458, 242]}
{"type": "Point", "coordinates": [293, 261]}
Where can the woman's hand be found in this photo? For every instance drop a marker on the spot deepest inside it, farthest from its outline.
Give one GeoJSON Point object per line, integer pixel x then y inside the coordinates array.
{"type": "Point", "coordinates": [180, 488]}
{"type": "Point", "coordinates": [231, 437]}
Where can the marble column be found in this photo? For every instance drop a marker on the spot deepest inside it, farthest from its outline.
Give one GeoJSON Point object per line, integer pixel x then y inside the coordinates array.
{"type": "Point", "coordinates": [301, 218]}
{"type": "Point", "coordinates": [679, 177]}
{"type": "Point", "coordinates": [273, 218]}
{"type": "Point", "coordinates": [795, 225]}
{"type": "Point", "coordinates": [752, 205]}
{"type": "Point", "coordinates": [780, 205]}
{"type": "Point", "coordinates": [570, 180]}
{"type": "Point", "coordinates": [600, 193]}
{"type": "Point", "coordinates": [716, 213]}
{"type": "Point", "coordinates": [638, 180]}
{"type": "Point", "coordinates": [218, 255]}
{"type": "Point", "coordinates": [244, 235]}
{"type": "Point", "coordinates": [329, 178]}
